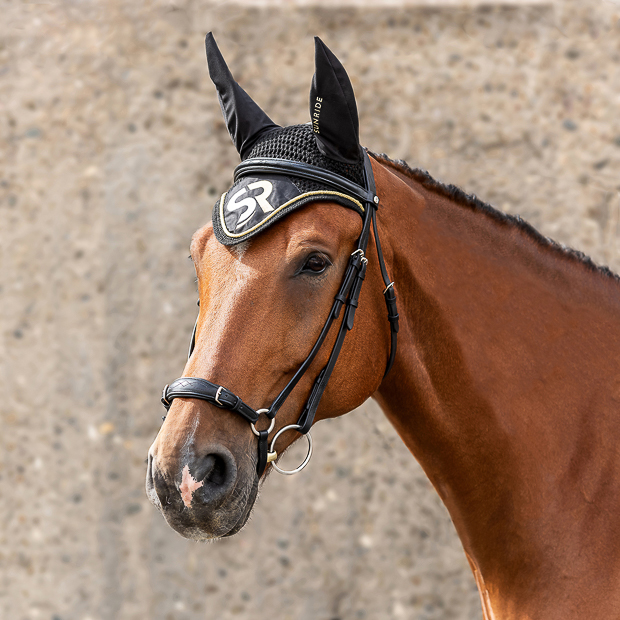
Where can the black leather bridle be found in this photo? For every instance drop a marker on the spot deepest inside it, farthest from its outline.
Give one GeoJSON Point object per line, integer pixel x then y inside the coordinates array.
{"type": "Point", "coordinates": [347, 297]}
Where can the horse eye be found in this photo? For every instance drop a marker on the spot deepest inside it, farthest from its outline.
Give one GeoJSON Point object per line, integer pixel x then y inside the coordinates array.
{"type": "Point", "coordinates": [315, 264]}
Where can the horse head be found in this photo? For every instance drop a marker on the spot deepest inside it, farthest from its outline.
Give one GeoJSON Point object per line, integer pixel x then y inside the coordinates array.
{"type": "Point", "coordinates": [280, 271]}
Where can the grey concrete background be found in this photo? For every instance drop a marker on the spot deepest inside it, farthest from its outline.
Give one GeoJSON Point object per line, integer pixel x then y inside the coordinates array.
{"type": "Point", "coordinates": [112, 152]}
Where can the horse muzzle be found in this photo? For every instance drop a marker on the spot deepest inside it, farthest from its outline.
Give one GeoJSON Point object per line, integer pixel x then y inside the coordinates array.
{"type": "Point", "coordinates": [201, 497]}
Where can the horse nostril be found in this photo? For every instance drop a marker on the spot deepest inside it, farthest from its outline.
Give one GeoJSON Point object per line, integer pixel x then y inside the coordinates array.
{"type": "Point", "coordinates": [210, 478]}
{"type": "Point", "coordinates": [216, 475]}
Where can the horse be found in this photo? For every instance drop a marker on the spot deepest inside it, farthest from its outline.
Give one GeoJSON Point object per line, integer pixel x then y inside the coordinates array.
{"type": "Point", "coordinates": [504, 384]}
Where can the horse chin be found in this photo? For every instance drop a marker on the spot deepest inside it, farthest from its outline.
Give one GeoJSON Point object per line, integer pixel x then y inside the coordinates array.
{"type": "Point", "coordinates": [202, 523]}
{"type": "Point", "coordinates": [247, 510]}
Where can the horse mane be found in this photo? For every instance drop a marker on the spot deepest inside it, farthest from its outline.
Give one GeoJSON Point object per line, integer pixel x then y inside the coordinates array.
{"type": "Point", "coordinates": [473, 202]}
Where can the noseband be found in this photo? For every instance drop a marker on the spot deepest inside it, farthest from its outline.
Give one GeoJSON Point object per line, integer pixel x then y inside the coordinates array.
{"type": "Point", "coordinates": [347, 297]}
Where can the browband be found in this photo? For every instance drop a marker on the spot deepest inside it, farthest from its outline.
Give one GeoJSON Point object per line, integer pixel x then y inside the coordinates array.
{"type": "Point", "coordinates": [268, 165]}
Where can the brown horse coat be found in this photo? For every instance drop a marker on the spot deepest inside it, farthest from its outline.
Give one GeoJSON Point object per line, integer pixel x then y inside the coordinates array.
{"type": "Point", "coordinates": [505, 388]}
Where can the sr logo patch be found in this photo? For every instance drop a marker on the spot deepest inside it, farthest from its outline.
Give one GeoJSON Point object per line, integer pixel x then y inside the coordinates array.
{"type": "Point", "coordinates": [253, 201]}
{"type": "Point", "coordinates": [237, 202]}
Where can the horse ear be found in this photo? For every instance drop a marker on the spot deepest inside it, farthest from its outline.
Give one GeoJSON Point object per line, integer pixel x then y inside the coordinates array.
{"type": "Point", "coordinates": [332, 107]}
{"type": "Point", "coordinates": [245, 120]}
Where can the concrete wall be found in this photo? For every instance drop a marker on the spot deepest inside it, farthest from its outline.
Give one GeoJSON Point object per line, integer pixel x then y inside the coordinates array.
{"type": "Point", "coordinates": [112, 152]}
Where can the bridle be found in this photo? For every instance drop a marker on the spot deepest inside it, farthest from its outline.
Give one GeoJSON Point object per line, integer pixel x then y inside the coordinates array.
{"type": "Point", "coordinates": [347, 297]}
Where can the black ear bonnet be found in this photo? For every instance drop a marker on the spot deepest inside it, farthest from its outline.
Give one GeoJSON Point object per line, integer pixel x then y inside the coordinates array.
{"type": "Point", "coordinates": [329, 142]}
{"type": "Point", "coordinates": [286, 193]}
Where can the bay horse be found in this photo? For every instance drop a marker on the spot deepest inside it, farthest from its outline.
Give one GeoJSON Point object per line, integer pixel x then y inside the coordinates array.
{"type": "Point", "coordinates": [505, 384]}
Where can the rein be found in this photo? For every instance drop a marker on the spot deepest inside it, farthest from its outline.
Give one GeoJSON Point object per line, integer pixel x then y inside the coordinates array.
{"type": "Point", "coordinates": [347, 297]}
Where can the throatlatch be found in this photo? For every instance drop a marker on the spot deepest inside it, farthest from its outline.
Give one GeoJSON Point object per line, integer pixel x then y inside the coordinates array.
{"type": "Point", "coordinates": [327, 165]}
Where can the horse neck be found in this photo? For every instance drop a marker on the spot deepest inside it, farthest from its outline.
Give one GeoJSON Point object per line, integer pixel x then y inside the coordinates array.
{"type": "Point", "coordinates": [506, 390]}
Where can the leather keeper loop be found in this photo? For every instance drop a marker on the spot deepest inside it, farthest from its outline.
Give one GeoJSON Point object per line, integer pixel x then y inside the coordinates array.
{"type": "Point", "coordinates": [349, 279]}
{"type": "Point", "coordinates": [354, 298]}
{"type": "Point", "coordinates": [390, 302]}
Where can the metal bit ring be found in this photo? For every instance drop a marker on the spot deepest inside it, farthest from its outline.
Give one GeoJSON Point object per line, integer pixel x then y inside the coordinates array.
{"type": "Point", "coordinates": [306, 460]}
